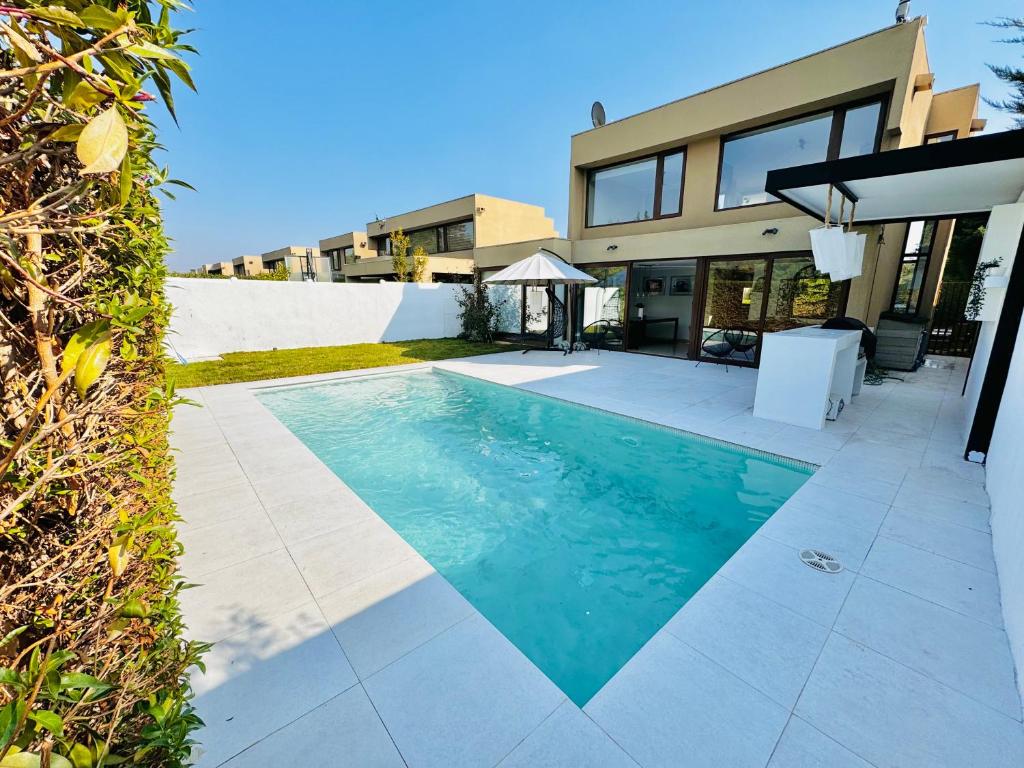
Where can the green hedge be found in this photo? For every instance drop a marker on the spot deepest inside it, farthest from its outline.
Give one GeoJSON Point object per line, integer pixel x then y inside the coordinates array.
{"type": "Point", "coordinates": [93, 664]}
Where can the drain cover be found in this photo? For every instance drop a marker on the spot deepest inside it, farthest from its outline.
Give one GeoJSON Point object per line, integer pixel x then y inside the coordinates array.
{"type": "Point", "coordinates": [820, 561]}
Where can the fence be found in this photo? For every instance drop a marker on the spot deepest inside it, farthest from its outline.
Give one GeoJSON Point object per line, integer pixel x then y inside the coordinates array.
{"type": "Point", "coordinates": [950, 333]}
{"type": "Point", "coordinates": [212, 317]}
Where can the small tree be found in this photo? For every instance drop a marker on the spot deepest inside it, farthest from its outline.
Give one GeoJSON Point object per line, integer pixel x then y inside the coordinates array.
{"type": "Point", "coordinates": [1013, 76]}
{"type": "Point", "coordinates": [478, 314]}
{"type": "Point", "coordinates": [419, 264]}
{"type": "Point", "coordinates": [400, 255]}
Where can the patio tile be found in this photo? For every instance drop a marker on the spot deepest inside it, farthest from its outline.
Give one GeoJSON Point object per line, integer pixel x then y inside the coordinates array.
{"type": "Point", "coordinates": [237, 597]}
{"type": "Point", "coordinates": [893, 716]}
{"type": "Point", "coordinates": [941, 538]}
{"type": "Point", "coordinates": [960, 587]}
{"type": "Point", "coordinates": [208, 478]}
{"type": "Point", "coordinates": [862, 464]}
{"type": "Point", "coordinates": [759, 641]}
{"type": "Point", "coordinates": [465, 698]}
{"type": "Point", "coordinates": [289, 487]}
{"type": "Point", "coordinates": [332, 508]}
{"type": "Point", "coordinates": [567, 738]}
{"type": "Point", "coordinates": [967, 655]}
{"type": "Point", "coordinates": [949, 459]}
{"type": "Point", "coordinates": [232, 501]}
{"type": "Point", "coordinates": [842, 507]}
{"type": "Point", "coordinates": [264, 678]}
{"type": "Point", "coordinates": [671, 706]}
{"type": "Point", "coordinates": [885, 456]}
{"type": "Point", "coordinates": [804, 746]}
{"type": "Point", "coordinates": [381, 618]}
{"type": "Point", "coordinates": [802, 529]}
{"type": "Point", "coordinates": [856, 478]}
{"type": "Point", "coordinates": [940, 483]}
{"type": "Point", "coordinates": [337, 559]}
{"type": "Point", "coordinates": [775, 571]}
{"type": "Point", "coordinates": [227, 542]}
{"type": "Point", "coordinates": [963, 513]}
{"type": "Point", "coordinates": [346, 728]}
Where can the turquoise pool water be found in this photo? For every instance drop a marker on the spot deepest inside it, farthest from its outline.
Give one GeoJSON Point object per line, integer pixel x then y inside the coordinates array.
{"type": "Point", "coordinates": [577, 533]}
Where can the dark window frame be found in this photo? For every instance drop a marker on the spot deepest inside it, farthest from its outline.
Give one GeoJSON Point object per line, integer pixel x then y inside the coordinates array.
{"type": "Point", "coordinates": [924, 262]}
{"type": "Point", "coordinates": [835, 138]}
{"type": "Point", "coordinates": [659, 176]}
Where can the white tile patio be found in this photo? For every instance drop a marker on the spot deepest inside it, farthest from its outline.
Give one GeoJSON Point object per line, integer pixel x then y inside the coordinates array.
{"type": "Point", "coordinates": [339, 644]}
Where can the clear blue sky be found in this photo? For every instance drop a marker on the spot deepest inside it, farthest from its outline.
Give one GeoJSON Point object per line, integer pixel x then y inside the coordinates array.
{"type": "Point", "coordinates": [314, 116]}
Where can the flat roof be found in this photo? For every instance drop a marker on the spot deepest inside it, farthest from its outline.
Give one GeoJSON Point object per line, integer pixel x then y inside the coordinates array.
{"type": "Point", "coordinates": [932, 181]}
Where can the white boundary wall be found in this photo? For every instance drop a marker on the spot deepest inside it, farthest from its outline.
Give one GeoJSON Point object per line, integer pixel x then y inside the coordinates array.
{"type": "Point", "coordinates": [1004, 472]}
{"type": "Point", "coordinates": [212, 317]}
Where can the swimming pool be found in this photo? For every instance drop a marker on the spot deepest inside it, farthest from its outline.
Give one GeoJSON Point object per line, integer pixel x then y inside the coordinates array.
{"type": "Point", "coordinates": [576, 532]}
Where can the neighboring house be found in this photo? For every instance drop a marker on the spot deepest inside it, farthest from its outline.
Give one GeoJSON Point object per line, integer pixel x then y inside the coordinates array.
{"type": "Point", "coordinates": [668, 209]}
{"type": "Point", "coordinates": [217, 268]}
{"type": "Point", "coordinates": [450, 232]}
{"type": "Point", "coordinates": [298, 259]}
{"type": "Point", "coordinates": [247, 266]}
{"type": "Point", "coordinates": [345, 249]}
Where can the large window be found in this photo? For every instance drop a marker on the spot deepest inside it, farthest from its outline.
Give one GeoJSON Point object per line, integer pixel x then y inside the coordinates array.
{"type": "Point", "coordinates": [747, 157]}
{"type": "Point", "coordinates": [640, 190]}
{"type": "Point", "coordinates": [458, 236]}
{"type": "Point", "coordinates": [444, 238]}
{"type": "Point", "coordinates": [913, 267]}
{"type": "Point", "coordinates": [427, 239]}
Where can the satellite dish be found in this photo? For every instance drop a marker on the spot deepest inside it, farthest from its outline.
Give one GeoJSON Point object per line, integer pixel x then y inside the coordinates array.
{"type": "Point", "coordinates": [597, 114]}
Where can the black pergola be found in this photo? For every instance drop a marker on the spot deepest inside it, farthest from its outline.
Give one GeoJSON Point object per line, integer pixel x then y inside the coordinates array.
{"type": "Point", "coordinates": [934, 181]}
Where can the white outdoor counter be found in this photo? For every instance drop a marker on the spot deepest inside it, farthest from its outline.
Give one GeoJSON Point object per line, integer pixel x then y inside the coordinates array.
{"type": "Point", "coordinates": [800, 369]}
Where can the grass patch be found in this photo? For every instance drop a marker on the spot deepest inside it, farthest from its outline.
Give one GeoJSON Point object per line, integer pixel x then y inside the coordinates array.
{"type": "Point", "coordinates": [278, 363]}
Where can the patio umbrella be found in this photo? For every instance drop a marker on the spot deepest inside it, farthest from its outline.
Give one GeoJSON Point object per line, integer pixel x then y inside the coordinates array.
{"type": "Point", "coordinates": [543, 268]}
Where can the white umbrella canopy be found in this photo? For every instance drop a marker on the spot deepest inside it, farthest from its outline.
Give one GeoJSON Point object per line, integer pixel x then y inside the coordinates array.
{"type": "Point", "coordinates": [542, 268]}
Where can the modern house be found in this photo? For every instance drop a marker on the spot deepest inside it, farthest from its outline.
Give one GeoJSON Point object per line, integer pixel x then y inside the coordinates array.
{"type": "Point", "coordinates": [451, 233]}
{"type": "Point", "coordinates": [299, 260]}
{"type": "Point", "coordinates": [247, 266]}
{"type": "Point", "coordinates": [217, 268]}
{"type": "Point", "coordinates": [668, 208]}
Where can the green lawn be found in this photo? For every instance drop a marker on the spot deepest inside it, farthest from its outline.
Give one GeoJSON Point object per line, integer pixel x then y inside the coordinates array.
{"type": "Point", "coordinates": [253, 366]}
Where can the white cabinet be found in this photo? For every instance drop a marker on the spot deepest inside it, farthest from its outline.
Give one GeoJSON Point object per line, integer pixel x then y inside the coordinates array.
{"type": "Point", "coordinates": [801, 369]}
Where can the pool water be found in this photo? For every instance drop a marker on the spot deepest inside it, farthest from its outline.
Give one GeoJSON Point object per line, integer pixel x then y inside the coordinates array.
{"type": "Point", "coordinates": [576, 532]}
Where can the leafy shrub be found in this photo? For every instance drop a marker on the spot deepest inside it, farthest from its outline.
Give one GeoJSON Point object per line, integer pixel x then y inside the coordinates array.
{"type": "Point", "coordinates": [92, 660]}
{"type": "Point", "coordinates": [479, 314]}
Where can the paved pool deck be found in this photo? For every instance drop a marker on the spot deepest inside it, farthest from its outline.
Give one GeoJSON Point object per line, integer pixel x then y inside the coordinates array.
{"type": "Point", "coordinates": [337, 644]}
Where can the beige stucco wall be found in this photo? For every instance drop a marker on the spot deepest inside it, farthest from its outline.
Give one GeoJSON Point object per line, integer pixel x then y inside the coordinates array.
{"type": "Point", "coordinates": [954, 110]}
{"type": "Point", "coordinates": [357, 240]}
{"type": "Point", "coordinates": [498, 220]}
{"type": "Point", "coordinates": [497, 256]}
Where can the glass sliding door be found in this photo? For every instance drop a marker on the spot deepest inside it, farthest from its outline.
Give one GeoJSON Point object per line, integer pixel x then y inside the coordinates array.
{"type": "Point", "coordinates": [600, 307]}
{"type": "Point", "coordinates": [734, 297]}
{"type": "Point", "coordinates": [661, 307]}
{"type": "Point", "coordinates": [800, 295]}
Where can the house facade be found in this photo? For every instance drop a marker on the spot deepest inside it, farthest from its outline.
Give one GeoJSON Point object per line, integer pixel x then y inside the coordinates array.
{"type": "Point", "coordinates": [450, 232]}
{"type": "Point", "coordinates": [668, 209]}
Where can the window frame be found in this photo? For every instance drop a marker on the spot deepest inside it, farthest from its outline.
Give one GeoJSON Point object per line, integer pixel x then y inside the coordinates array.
{"type": "Point", "coordinates": [953, 134]}
{"type": "Point", "coordinates": [835, 138]}
{"type": "Point", "coordinates": [659, 176]}
{"type": "Point", "coordinates": [924, 262]}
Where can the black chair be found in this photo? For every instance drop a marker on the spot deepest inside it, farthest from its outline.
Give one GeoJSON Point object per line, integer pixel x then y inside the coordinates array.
{"type": "Point", "coordinates": [722, 344]}
{"type": "Point", "coordinates": [603, 334]}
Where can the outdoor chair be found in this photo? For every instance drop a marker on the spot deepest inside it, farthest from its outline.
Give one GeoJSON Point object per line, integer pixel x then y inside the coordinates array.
{"type": "Point", "coordinates": [603, 334]}
{"type": "Point", "coordinates": [722, 344]}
